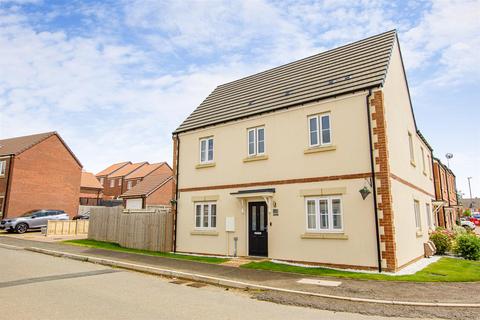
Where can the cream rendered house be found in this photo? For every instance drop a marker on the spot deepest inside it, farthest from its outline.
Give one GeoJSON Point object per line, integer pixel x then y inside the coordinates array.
{"type": "Point", "coordinates": [273, 164]}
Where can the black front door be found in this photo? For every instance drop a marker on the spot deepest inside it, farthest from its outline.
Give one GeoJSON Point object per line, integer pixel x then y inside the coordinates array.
{"type": "Point", "coordinates": [257, 229]}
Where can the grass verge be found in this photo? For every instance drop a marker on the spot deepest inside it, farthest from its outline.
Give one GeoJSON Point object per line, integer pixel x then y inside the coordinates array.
{"type": "Point", "coordinates": [116, 247]}
{"type": "Point", "coordinates": [444, 270]}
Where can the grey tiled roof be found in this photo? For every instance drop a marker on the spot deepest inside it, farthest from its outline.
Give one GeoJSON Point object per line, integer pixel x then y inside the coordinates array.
{"type": "Point", "coordinates": [356, 66]}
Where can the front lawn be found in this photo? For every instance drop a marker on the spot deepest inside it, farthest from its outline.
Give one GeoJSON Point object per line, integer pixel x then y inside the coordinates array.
{"type": "Point", "coordinates": [446, 270]}
{"type": "Point", "coordinates": [116, 247]}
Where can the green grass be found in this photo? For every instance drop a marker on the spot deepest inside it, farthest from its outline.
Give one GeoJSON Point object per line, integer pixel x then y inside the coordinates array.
{"type": "Point", "coordinates": [444, 270]}
{"type": "Point", "coordinates": [116, 247]}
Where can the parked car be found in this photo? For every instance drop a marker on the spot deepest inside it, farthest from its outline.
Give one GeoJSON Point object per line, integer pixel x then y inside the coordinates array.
{"type": "Point", "coordinates": [475, 218]}
{"type": "Point", "coordinates": [33, 219]}
{"type": "Point", "coordinates": [82, 216]}
{"type": "Point", "coordinates": [467, 224]}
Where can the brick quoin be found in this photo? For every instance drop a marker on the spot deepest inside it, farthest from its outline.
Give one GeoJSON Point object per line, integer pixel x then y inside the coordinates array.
{"type": "Point", "coordinates": [384, 188]}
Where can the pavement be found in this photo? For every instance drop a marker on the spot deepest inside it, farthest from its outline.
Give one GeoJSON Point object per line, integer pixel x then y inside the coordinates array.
{"type": "Point", "coordinates": [36, 286]}
{"type": "Point", "coordinates": [356, 289]}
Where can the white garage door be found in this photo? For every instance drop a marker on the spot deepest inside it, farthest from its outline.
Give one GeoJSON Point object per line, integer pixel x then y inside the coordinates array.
{"type": "Point", "coordinates": [134, 204]}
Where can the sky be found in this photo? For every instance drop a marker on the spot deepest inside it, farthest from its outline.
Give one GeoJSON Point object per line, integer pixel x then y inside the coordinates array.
{"type": "Point", "coordinates": [115, 78]}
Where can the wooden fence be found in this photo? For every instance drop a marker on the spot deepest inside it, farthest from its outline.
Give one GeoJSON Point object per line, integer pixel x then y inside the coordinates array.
{"type": "Point", "coordinates": [67, 227]}
{"type": "Point", "coordinates": [138, 229]}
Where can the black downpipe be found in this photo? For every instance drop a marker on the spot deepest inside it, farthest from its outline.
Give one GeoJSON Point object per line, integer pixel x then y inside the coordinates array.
{"type": "Point", "coordinates": [7, 189]}
{"type": "Point", "coordinates": [176, 193]}
{"type": "Point", "coordinates": [374, 183]}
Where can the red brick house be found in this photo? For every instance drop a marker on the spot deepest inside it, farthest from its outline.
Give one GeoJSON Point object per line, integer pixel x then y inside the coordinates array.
{"type": "Point", "coordinates": [91, 191]}
{"type": "Point", "coordinates": [113, 183]}
{"type": "Point", "coordinates": [137, 176]}
{"type": "Point", "coordinates": [102, 175]}
{"type": "Point", "coordinates": [154, 190]}
{"type": "Point", "coordinates": [446, 191]}
{"type": "Point", "coordinates": [38, 172]}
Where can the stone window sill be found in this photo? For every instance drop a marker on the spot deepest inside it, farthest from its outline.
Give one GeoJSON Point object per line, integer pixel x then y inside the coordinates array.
{"type": "Point", "coordinates": [413, 163]}
{"type": "Point", "coordinates": [205, 165]}
{"type": "Point", "coordinates": [319, 149]}
{"type": "Point", "coordinates": [419, 234]}
{"type": "Point", "coordinates": [255, 158]}
{"type": "Point", "coordinates": [204, 233]}
{"type": "Point", "coordinates": [335, 236]}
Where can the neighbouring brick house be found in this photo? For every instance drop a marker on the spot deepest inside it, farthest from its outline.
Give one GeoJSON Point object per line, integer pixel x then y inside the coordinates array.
{"type": "Point", "coordinates": [113, 182]}
{"type": "Point", "coordinates": [102, 175]}
{"type": "Point", "coordinates": [137, 176]}
{"type": "Point", "coordinates": [155, 189]}
{"type": "Point", "coordinates": [38, 172]}
{"type": "Point", "coordinates": [446, 191]}
{"type": "Point", "coordinates": [316, 161]}
{"type": "Point", "coordinates": [90, 190]}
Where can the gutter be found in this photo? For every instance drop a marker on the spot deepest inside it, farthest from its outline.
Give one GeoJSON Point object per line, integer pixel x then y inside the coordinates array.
{"type": "Point", "coordinates": [374, 183]}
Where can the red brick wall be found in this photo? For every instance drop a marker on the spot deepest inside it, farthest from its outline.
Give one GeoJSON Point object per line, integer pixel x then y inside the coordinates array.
{"type": "Point", "coordinates": [114, 191]}
{"type": "Point", "coordinates": [4, 179]}
{"type": "Point", "coordinates": [162, 195]}
{"type": "Point", "coordinates": [44, 176]}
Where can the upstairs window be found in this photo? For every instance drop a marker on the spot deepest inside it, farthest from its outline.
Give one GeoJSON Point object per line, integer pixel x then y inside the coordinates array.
{"type": "Point", "coordinates": [424, 167]}
{"type": "Point", "coordinates": [206, 150]}
{"type": "Point", "coordinates": [429, 164]}
{"type": "Point", "coordinates": [256, 141]}
{"type": "Point", "coordinates": [3, 167]}
{"type": "Point", "coordinates": [101, 181]}
{"type": "Point", "coordinates": [119, 182]}
{"type": "Point", "coordinates": [112, 183]}
{"type": "Point", "coordinates": [324, 214]}
{"type": "Point", "coordinates": [319, 130]}
{"type": "Point", "coordinates": [129, 185]}
{"type": "Point", "coordinates": [205, 215]}
{"type": "Point", "coordinates": [410, 145]}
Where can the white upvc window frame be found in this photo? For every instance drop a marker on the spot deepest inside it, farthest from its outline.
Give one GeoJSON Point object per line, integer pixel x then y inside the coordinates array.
{"type": "Point", "coordinates": [119, 182]}
{"type": "Point", "coordinates": [129, 184]}
{"type": "Point", "coordinates": [330, 228]}
{"type": "Point", "coordinates": [3, 167]}
{"type": "Point", "coordinates": [411, 148]}
{"type": "Point", "coordinates": [319, 130]}
{"type": "Point", "coordinates": [112, 183]}
{"type": "Point", "coordinates": [428, 211]}
{"type": "Point", "coordinates": [429, 163]}
{"type": "Point", "coordinates": [256, 141]}
{"type": "Point", "coordinates": [424, 166]}
{"type": "Point", "coordinates": [102, 181]}
{"type": "Point", "coordinates": [206, 151]}
{"type": "Point", "coordinates": [208, 217]}
{"type": "Point", "coordinates": [418, 217]}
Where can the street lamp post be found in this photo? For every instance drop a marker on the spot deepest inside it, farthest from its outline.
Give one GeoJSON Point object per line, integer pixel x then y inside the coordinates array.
{"type": "Point", "coordinates": [470, 190]}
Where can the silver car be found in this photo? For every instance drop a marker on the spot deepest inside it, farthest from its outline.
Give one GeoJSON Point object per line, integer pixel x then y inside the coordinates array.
{"type": "Point", "coordinates": [32, 219]}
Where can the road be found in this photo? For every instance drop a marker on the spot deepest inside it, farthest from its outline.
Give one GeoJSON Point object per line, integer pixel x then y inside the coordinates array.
{"type": "Point", "coordinates": [36, 286]}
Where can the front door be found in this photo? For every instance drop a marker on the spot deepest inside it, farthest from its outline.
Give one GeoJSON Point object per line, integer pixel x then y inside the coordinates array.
{"type": "Point", "coordinates": [257, 229]}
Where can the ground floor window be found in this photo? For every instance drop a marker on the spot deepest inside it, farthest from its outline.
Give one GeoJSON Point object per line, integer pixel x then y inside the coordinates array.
{"type": "Point", "coordinates": [324, 214]}
{"type": "Point", "coordinates": [205, 215]}
{"type": "Point", "coordinates": [418, 221]}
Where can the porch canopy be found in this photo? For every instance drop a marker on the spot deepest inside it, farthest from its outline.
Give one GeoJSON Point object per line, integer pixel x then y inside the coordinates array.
{"type": "Point", "coordinates": [267, 195]}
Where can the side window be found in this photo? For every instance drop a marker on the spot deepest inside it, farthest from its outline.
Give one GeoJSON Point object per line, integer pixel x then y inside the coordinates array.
{"type": "Point", "coordinates": [3, 166]}
{"type": "Point", "coordinates": [112, 183]}
{"type": "Point", "coordinates": [206, 150]}
{"type": "Point", "coordinates": [119, 182]}
{"type": "Point", "coordinates": [319, 128]}
{"type": "Point", "coordinates": [129, 184]}
{"type": "Point", "coordinates": [418, 221]}
{"type": "Point", "coordinates": [205, 215]}
{"type": "Point", "coordinates": [101, 181]}
{"type": "Point", "coordinates": [428, 212]}
{"type": "Point", "coordinates": [410, 145]}
{"type": "Point", "coordinates": [256, 141]}
{"type": "Point", "coordinates": [424, 166]}
{"type": "Point", "coordinates": [324, 214]}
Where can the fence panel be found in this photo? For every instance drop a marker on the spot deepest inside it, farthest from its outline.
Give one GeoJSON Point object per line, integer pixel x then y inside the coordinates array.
{"type": "Point", "coordinates": [67, 227]}
{"type": "Point", "coordinates": [149, 229]}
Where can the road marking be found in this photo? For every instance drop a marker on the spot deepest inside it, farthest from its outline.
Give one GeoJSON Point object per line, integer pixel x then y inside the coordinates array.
{"type": "Point", "coordinates": [21, 282]}
{"type": "Point", "coordinates": [325, 283]}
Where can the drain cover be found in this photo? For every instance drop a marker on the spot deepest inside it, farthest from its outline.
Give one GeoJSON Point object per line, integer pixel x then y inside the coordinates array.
{"type": "Point", "coordinates": [317, 282]}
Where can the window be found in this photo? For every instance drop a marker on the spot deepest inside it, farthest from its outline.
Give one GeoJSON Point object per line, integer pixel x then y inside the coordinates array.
{"type": "Point", "coordinates": [429, 215]}
{"type": "Point", "coordinates": [410, 144]}
{"type": "Point", "coordinates": [206, 150]}
{"type": "Point", "coordinates": [112, 183]}
{"type": "Point", "coordinates": [256, 141]}
{"type": "Point", "coordinates": [205, 215]}
{"type": "Point", "coordinates": [101, 181]}
{"type": "Point", "coordinates": [319, 130]}
{"type": "Point", "coordinates": [3, 167]}
{"type": "Point", "coordinates": [418, 221]}
{"type": "Point", "coordinates": [129, 185]}
{"type": "Point", "coordinates": [429, 163]}
{"type": "Point", "coordinates": [119, 182]}
{"type": "Point", "coordinates": [324, 214]}
{"type": "Point", "coordinates": [424, 167]}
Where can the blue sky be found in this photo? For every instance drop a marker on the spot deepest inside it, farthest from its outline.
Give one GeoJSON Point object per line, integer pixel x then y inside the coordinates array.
{"type": "Point", "coordinates": [115, 78]}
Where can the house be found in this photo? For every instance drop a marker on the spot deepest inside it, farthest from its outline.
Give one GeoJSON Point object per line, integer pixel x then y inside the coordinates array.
{"type": "Point", "coordinates": [317, 161]}
{"type": "Point", "coordinates": [102, 175]}
{"type": "Point", "coordinates": [90, 190]}
{"type": "Point", "coordinates": [38, 172]}
{"type": "Point", "coordinates": [154, 190]}
{"type": "Point", "coordinates": [445, 191]}
{"type": "Point", "coordinates": [113, 182]}
{"type": "Point", "coordinates": [138, 175]}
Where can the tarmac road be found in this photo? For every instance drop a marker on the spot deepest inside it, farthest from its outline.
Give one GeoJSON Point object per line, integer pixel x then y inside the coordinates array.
{"type": "Point", "coordinates": [36, 286]}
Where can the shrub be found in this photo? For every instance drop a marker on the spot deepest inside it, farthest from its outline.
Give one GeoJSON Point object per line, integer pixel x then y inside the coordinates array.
{"type": "Point", "coordinates": [458, 230]}
{"type": "Point", "coordinates": [442, 240]}
{"type": "Point", "coordinates": [467, 213]}
{"type": "Point", "coordinates": [468, 246]}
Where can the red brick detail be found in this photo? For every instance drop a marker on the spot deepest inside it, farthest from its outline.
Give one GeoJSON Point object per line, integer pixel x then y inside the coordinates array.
{"type": "Point", "coordinates": [46, 176]}
{"type": "Point", "coordinates": [382, 174]}
{"type": "Point", "coordinates": [280, 182]}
